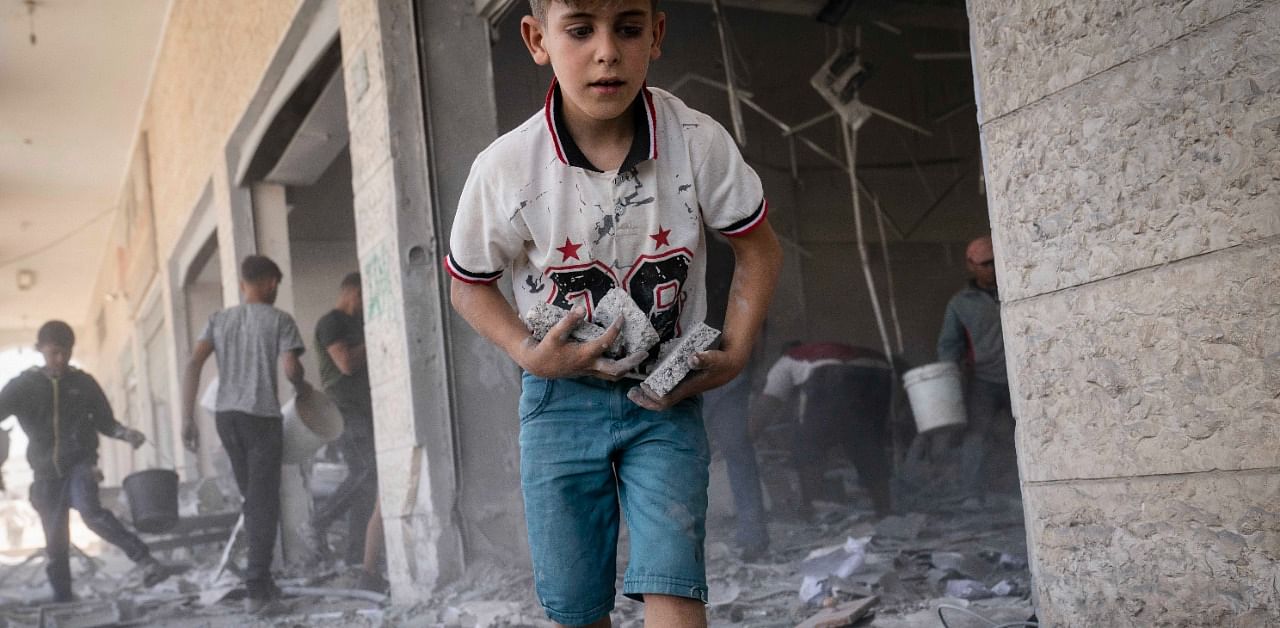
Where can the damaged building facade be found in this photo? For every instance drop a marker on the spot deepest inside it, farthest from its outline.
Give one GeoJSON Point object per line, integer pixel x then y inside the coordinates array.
{"type": "Point", "coordinates": [1127, 158]}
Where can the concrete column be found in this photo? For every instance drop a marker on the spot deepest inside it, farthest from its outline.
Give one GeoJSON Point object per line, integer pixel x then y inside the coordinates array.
{"type": "Point", "coordinates": [1131, 156]}
{"type": "Point", "coordinates": [271, 233]}
{"type": "Point", "coordinates": [234, 212]}
{"type": "Point", "coordinates": [402, 195]}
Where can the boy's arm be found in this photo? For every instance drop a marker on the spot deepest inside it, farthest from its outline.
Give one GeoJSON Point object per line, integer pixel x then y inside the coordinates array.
{"type": "Point", "coordinates": [104, 419]}
{"type": "Point", "coordinates": [487, 311]}
{"type": "Point", "coordinates": [758, 258]}
{"type": "Point", "coordinates": [293, 370]}
{"type": "Point", "coordinates": [952, 342]}
{"type": "Point", "coordinates": [190, 384]}
{"type": "Point", "coordinates": [333, 338]}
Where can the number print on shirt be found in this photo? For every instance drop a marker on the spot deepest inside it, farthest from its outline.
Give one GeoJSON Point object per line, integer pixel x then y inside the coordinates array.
{"type": "Point", "coordinates": [656, 283]}
{"type": "Point", "coordinates": [583, 284]}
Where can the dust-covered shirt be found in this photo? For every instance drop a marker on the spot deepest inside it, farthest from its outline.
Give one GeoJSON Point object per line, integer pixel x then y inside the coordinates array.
{"type": "Point", "coordinates": [569, 233]}
{"type": "Point", "coordinates": [248, 340]}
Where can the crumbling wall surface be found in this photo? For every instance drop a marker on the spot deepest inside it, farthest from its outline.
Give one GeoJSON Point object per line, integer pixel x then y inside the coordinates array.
{"type": "Point", "coordinates": [1166, 156]}
{"type": "Point", "coordinates": [1170, 370]}
{"type": "Point", "coordinates": [1167, 550]}
{"type": "Point", "coordinates": [1131, 156]}
{"type": "Point", "coordinates": [211, 61]}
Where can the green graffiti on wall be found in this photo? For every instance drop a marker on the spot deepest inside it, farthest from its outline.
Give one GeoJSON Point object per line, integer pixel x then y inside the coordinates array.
{"type": "Point", "coordinates": [377, 285]}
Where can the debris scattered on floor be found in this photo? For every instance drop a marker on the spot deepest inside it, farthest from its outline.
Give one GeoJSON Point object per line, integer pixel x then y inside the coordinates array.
{"type": "Point", "coordinates": [843, 615]}
{"type": "Point", "coordinates": [841, 565]}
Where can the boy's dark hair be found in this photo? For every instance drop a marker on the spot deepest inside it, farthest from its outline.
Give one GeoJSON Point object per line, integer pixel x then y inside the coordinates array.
{"type": "Point", "coordinates": [257, 268]}
{"type": "Point", "coordinates": [538, 8]}
{"type": "Point", "coordinates": [352, 280]}
{"type": "Point", "coordinates": [56, 333]}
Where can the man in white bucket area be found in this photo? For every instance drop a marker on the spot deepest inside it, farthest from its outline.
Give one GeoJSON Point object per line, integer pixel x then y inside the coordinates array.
{"type": "Point", "coordinates": [971, 336]}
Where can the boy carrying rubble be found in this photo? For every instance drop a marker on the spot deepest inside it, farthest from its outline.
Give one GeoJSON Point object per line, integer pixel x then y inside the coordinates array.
{"type": "Point", "coordinates": [62, 410]}
{"type": "Point", "coordinates": [609, 186]}
{"type": "Point", "coordinates": [248, 340]}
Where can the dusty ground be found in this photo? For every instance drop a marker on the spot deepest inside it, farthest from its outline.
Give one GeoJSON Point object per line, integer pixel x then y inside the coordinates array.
{"type": "Point", "coordinates": [908, 561]}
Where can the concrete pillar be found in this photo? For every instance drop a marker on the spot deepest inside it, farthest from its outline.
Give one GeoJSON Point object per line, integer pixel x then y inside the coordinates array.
{"type": "Point", "coordinates": [234, 212]}
{"type": "Point", "coordinates": [401, 186]}
{"type": "Point", "coordinates": [1131, 155]}
{"type": "Point", "coordinates": [271, 233]}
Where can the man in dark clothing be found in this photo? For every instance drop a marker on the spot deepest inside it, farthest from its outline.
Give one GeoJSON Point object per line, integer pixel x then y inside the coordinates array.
{"type": "Point", "coordinates": [841, 396]}
{"type": "Point", "coordinates": [62, 410]}
{"type": "Point", "coordinates": [971, 335]}
{"type": "Point", "coordinates": [340, 351]}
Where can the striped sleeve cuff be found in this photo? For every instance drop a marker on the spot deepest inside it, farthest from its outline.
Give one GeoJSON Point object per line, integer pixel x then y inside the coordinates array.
{"type": "Point", "coordinates": [748, 224]}
{"type": "Point", "coordinates": [466, 276]}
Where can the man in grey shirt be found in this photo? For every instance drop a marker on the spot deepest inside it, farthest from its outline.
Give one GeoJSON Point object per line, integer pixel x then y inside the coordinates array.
{"type": "Point", "coordinates": [971, 335]}
{"type": "Point", "coordinates": [248, 339]}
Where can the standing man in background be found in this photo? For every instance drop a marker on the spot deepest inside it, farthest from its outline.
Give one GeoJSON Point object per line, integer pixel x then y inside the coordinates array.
{"type": "Point", "coordinates": [249, 339]}
{"type": "Point", "coordinates": [62, 410]}
{"type": "Point", "coordinates": [971, 335]}
{"type": "Point", "coordinates": [341, 354]}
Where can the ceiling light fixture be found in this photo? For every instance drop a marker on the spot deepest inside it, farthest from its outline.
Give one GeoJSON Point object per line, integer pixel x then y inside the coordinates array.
{"type": "Point", "coordinates": [31, 17]}
{"type": "Point", "coordinates": [26, 279]}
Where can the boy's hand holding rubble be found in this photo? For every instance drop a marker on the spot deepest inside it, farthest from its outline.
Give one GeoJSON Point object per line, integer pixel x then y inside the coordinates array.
{"type": "Point", "coordinates": [564, 344]}
{"type": "Point", "coordinates": [688, 367]}
{"type": "Point", "coordinates": [573, 347]}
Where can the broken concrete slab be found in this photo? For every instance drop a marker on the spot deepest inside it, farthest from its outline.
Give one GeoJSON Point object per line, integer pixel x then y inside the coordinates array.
{"type": "Point", "coordinates": [674, 366]}
{"type": "Point", "coordinates": [81, 614]}
{"type": "Point", "coordinates": [637, 332]}
{"type": "Point", "coordinates": [843, 615]}
{"type": "Point", "coordinates": [543, 316]}
{"type": "Point", "coordinates": [968, 590]}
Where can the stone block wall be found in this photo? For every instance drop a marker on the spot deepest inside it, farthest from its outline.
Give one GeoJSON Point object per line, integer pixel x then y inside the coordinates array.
{"type": "Point", "coordinates": [1132, 153]}
{"type": "Point", "coordinates": [212, 60]}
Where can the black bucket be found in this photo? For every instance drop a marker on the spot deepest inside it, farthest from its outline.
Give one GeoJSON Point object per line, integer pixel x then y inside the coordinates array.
{"type": "Point", "coordinates": [153, 499]}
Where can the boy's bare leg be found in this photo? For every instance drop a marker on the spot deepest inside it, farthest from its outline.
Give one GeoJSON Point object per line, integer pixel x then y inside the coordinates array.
{"type": "Point", "coordinates": [669, 611]}
{"type": "Point", "coordinates": [373, 540]}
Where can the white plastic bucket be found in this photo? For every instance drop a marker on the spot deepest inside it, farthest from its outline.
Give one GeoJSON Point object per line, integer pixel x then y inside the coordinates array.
{"type": "Point", "coordinates": [311, 421]}
{"type": "Point", "coordinates": [937, 399]}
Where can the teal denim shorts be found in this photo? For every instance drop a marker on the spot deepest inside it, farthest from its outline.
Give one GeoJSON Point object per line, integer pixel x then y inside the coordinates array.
{"type": "Point", "coordinates": [587, 451]}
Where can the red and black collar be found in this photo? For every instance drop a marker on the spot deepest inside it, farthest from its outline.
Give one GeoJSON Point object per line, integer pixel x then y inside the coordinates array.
{"type": "Point", "coordinates": [644, 144]}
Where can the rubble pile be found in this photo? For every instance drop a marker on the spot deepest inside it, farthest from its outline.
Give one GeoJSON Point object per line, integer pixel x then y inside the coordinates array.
{"type": "Point", "coordinates": [841, 565]}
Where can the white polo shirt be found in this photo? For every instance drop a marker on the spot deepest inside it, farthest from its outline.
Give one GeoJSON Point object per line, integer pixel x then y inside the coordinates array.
{"type": "Point", "coordinates": [569, 233]}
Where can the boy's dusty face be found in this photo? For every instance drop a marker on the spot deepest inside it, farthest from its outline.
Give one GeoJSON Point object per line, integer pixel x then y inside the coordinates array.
{"type": "Point", "coordinates": [56, 358]}
{"type": "Point", "coordinates": [600, 52]}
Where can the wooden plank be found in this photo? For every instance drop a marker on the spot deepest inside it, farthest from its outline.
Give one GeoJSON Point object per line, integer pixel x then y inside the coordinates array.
{"type": "Point", "coordinates": [842, 615]}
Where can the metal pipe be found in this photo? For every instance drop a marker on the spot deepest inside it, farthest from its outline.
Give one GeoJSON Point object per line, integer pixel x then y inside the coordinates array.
{"type": "Point", "coordinates": [735, 108]}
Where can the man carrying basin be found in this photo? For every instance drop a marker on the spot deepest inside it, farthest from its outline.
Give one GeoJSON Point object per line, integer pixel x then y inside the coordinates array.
{"type": "Point", "coordinates": [249, 340]}
{"type": "Point", "coordinates": [63, 410]}
{"type": "Point", "coordinates": [972, 336]}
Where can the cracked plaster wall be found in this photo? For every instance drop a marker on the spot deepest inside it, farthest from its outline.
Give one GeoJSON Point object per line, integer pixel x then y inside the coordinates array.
{"type": "Point", "coordinates": [1132, 155]}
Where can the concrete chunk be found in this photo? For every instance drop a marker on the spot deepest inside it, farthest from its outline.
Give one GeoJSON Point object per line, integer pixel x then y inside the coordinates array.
{"type": "Point", "coordinates": [543, 316]}
{"type": "Point", "coordinates": [637, 332]}
{"type": "Point", "coordinates": [843, 615]}
{"type": "Point", "coordinates": [674, 366]}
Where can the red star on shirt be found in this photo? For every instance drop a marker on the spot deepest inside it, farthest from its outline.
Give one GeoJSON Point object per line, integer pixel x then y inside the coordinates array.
{"type": "Point", "coordinates": [660, 238]}
{"type": "Point", "coordinates": [569, 250]}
